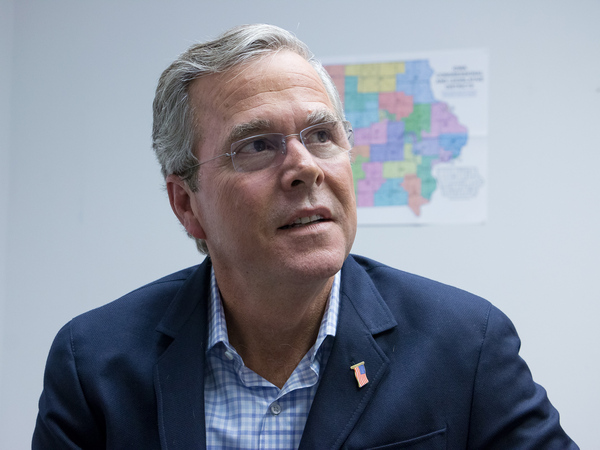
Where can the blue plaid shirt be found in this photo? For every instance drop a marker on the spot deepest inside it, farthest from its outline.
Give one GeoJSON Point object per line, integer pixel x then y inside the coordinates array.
{"type": "Point", "coordinates": [245, 411]}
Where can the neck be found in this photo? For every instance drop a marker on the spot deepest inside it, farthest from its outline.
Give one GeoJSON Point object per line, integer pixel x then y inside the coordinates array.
{"type": "Point", "coordinates": [274, 327]}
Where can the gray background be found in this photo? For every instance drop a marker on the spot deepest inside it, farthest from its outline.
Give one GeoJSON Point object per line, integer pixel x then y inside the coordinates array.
{"type": "Point", "coordinates": [84, 218]}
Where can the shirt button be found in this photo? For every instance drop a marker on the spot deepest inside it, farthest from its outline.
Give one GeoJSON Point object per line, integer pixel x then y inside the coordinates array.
{"type": "Point", "coordinates": [229, 355]}
{"type": "Point", "coordinates": [275, 409]}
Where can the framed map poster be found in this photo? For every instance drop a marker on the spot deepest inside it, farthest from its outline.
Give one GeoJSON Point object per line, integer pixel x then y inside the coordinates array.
{"type": "Point", "coordinates": [420, 135]}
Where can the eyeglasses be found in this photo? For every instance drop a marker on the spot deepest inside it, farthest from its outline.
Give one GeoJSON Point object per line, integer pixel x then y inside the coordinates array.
{"type": "Point", "coordinates": [324, 140]}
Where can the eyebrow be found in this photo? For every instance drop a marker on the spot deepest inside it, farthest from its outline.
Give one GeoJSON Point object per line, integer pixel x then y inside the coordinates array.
{"type": "Point", "coordinates": [261, 126]}
{"type": "Point", "coordinates": [321, 116]}
{"type": "Point", "coordinates": [254, 127]}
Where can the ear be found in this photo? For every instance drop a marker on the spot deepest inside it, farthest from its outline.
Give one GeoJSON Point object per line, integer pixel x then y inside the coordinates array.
{"type": "Point", "coordinates": [182, 201]}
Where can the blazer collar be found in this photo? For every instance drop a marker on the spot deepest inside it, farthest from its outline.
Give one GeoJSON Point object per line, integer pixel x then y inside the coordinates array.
{"type": "Point", "coordinates": [179, 373]}
{"type": "Point", "coordinates": [339, 402]}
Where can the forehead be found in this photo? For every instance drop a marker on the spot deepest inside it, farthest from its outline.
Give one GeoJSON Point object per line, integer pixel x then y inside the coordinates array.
{"type": "Point", "coordinates": [276, 88]}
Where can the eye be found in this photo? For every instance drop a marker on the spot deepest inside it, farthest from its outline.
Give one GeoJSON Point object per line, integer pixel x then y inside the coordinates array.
{"type": "Point", "coordinates": [318, 136]}
{"type": "Point", "coordinates": [256, 144]}
{"type": "Point", "coordinates": [323, 136]}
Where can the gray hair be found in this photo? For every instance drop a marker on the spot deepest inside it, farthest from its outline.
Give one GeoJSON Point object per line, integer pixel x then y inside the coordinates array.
{"type": "Point", "coordinates": [174, 131]}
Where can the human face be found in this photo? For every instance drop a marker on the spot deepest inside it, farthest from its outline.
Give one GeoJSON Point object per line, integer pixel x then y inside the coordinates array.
{"type": "Point", "coordinates": [247, 218]}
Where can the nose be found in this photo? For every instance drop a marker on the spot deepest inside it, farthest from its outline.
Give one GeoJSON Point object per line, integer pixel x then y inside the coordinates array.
{"type": "Point", "coordinates": [300, 168]}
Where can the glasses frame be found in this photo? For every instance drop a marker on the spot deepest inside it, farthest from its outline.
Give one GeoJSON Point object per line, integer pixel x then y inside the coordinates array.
{"type": "Point", "coordinates": [347, 128]}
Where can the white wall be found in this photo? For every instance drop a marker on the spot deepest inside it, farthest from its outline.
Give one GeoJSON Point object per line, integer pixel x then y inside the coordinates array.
{"type": "Point", "coordinates": [88, 221]}
{"type": "Point", "coordinates": [6, 44]}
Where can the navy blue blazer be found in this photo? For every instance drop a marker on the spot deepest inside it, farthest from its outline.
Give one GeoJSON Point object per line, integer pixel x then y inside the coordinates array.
{"type": "Point", "coordinates": [443, 369]}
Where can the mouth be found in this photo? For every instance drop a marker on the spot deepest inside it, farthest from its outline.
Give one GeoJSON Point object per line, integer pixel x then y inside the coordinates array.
{"type": "Point", "coordinates": [302, 221]}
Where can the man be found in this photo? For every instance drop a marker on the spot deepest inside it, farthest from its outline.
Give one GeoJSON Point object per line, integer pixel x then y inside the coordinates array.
{"type": "Point", "coordinates": [280, 339]}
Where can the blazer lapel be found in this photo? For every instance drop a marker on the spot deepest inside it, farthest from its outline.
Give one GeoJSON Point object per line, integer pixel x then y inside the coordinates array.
{"type": "Point", "coordinates": [339, 402]}
{"type": "Point", "coordinates": [179, 373]}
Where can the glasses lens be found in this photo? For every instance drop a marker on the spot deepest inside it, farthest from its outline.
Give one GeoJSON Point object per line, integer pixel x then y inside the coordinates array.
{"type": "Point", "coordinates": [323, 140]}
{"type": "Point", "coordinates": [257, 152]}
{"type": "Point", "coordinates": [327, 139]}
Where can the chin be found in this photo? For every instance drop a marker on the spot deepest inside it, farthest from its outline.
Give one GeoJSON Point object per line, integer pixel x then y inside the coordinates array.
{"type": "Point", "coordinates": [317, 264]}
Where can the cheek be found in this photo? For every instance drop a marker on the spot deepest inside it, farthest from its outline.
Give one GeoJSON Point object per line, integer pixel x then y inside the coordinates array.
{"type": "Point", "coordinates": [215, 198]}
{"type": "Point", "coordinates": [242, 201]}
{"type": "Point", "coordinates": [344, 191]}
{"type": "Point", "coordinates": [342, 181]}
{"type": "Point", "coordinates": [226, 200]}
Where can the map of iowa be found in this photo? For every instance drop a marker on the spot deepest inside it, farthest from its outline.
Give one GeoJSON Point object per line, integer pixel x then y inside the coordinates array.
{"type": "Point", "coordinates": [401, 131]}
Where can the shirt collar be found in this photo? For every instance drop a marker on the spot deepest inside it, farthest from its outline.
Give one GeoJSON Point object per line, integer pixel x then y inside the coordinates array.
{"type": "Point", "coordinates": [217, 327]}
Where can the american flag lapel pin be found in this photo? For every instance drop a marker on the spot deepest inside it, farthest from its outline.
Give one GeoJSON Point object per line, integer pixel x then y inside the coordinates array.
{"type": "Point", "coordinates": [360, 373]}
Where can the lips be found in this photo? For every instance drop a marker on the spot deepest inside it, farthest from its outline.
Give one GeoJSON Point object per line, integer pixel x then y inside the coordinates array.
{"type": "Point", "coordinates": [301, 221]}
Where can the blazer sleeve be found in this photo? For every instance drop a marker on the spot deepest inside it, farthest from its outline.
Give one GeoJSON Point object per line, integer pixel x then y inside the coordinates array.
{"type": "Point", "coordinates": [509, 410]}
{"type": "Point", "coordinates": [65, 419]}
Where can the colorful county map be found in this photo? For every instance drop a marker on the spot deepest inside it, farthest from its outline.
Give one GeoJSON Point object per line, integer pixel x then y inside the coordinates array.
{"type": "Point", "coordinates": [404, 135]}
